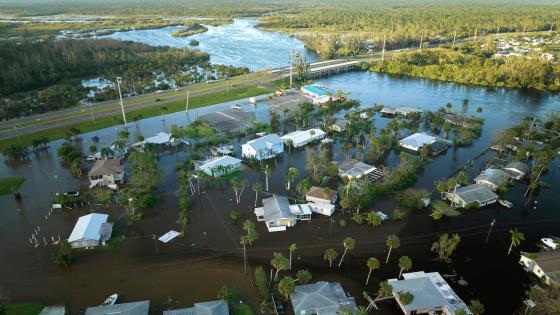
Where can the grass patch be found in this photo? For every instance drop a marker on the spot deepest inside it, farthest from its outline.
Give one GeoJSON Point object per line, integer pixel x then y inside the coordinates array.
{"type": "Point", "coordinates": [243, 309]}
{"type": "Point", "coordinates": [31, 308]}
{"type": "Point", "coordinates": [444, 208]}
{"type": "Point", "coordinates": [174, 106]}
{"type": "Point", "coordinates": [10, 185]}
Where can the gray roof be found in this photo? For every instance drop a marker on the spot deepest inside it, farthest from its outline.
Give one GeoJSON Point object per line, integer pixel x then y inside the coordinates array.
{"type": "Point", "coordinates": [321, 298]}
{"type": "Point", "coordinates": [106, 167]}
{"type": "Point", "coordinates": [276, 207]}
{"type": "Point", "coordinates": [517, 166]}
{"type": "Point", "coordinates": [133, 308]}
{"type": "Point", "coordinates": [54, 310]}
{"type": "Point", "coordinates": [475, 193]}
{"type": "Point", "coordinates": [494, 176]}
{"type": "Point", "coordinates": [219, 307]}
{"type": "Point", "coordinates": [354, 168]}
{"type": "Point", "coordinates": [341, 123]}
{"type": "Point", "coordinates": [549, 262]}
{"type": "Point", "coordinates": [266, 142]}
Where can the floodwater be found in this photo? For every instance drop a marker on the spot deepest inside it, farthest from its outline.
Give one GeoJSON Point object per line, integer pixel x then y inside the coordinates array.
{"type": "Point", "coordinates": [193, 268]}
{"type": "Point", "coordinates": [239, 44]}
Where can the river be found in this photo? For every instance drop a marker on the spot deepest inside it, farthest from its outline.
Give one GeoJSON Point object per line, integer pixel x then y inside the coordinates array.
{"type": "Point", "coordinates": [239, 44]}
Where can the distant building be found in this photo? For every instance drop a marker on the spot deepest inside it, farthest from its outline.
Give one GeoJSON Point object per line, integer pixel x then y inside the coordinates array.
{"type": "Point", "coordinates": [545, 265]}
{"type": "Point", "coordinates": [388, 111]}
{"type": "Point", "coordinates": [321, 298]}
{"type": "Point", "coordinates": [472, 195]}
{"type": "Point", "coordinates": [106, 173]}
{"type": "Point", "coordinates": [321, 195]}
{"type": "Point", "coordinates": [355, 169]}
{"type": "Point", "coordinates": [219, 307]}
{"type": "Point", "coordinates": [493, 178]}
{"type": "Point", "coordinates": [431, 294]}
{"type": "Point", "coordinates": [160, 139]}
{"type": "Point", "coordinates": [218, 166]}
{"type": "Point", "coordinates": [90, 231]}
{"type": "Point", "coordinates": [315, 91]}
{"type": "Point", "coordinates": [263, 148]}
{"type": "Point", "coordinates": [517, 170]}
{"type": "Point", "coordinates": [340, 125]}
{"type": "Point", "coordinates": [300, 138]}
{"type": "Point", "coordinates": [418, 140]}
{"type": "Point", "coordinates": [278, 214]}
{"type": "Point", "coordinates": [133, 308]}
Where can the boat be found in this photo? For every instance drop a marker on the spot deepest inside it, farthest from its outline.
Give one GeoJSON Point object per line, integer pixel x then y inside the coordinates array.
{"type": "Point", "coordinates": [236, 106]}
{"type": "Point", "coordinates": [505, 203]}
{"type": "Point", "coordinates": [549, 243]}
{"type": "Point", "coordinates": [111, 300]}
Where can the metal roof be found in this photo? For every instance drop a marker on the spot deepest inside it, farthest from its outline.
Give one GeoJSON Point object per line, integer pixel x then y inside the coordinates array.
{"type": "Point", "coordinates": [276, 207]}
{"type": "Point", "coordinates": [321, 298]}
{"type": "Point", "coordinates": [517, 166]}
{"type": "Point", "coordinates": [133, 308]}
{"type": "Point", "coordinates": [219, 307]}
{"type": "Point", "coordinates": [475, 193]}
{"type": "Point", "coordinates": [266, 142]}
{"type": "Point", "coordinates": [354, 168]}
{"type": "Point", "coordinates": [494, 176]}
{"type": "Point", "coordinates": [300, 136]}
{"type": "Point", "coordinates": [88, 227]}
{"type": "Point", "coordinates": [418, 140]}
{"type": "Point", "coordinates": [214, 163]}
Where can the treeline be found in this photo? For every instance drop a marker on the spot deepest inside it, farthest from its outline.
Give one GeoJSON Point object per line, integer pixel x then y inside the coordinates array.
{"type": "Point", "coordinates": [456, 65]}
{"type": "Point", "coordinates": [52, 70]}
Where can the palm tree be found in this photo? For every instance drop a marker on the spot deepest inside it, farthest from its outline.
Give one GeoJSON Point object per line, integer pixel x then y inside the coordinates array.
{"type": "Point", "coordinates": [286, 286]}
{"type": "Point", "coordinates": [393, 241]}
{"type": "Point", "coordinates": [162, 108]}
{"type": "Point", "coordinates": [289, 144]}
{"type": "Point", "coordinates": [445, 246]}
{"type": "Point", "coordinates": [405, 263]}
{"type": "Point", "coordinates": [257, 188]}
{"type": "Point", "coordinates": [330, 255]}
{"type": "Point", "coordinates": [374, 219]}
{"type": "Point", "coordinates": [266, 170]}
{"type": "Point", "coordinates": [385, 291]}
{"type": "Point", "coordinates": [76, 167]}
{"type": "Point", "coordinates": [348, 244]}
{"type": "Point", "coordinates": [292, 173]}
{"type": "Point", "coordinates": [516, 238]}
{"type": "Point", "coordinates": [120, 146]}
{"type": "Point", "coordinates": [292, 249]}
{"type": "Point", "coordinates": [279, 262]}
{"type": "Point", "coordinates": [92, 149]}
{"type": "Point", "coordinates": [106, 152]}
{"type": "Point", "coordinates": [372, 264]}
{"type": "Point", "coordinates": [476, 307]}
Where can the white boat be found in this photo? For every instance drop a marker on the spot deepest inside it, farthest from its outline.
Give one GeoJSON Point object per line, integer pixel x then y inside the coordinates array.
{"type": "Point", "coordinates": [550, 243]}
{"type": "Point", "coordinates": [505, 203]}
{"type": "Point", "coordinates": [111, 300]}
{"type": "Point", "coordinates": [236, 106]}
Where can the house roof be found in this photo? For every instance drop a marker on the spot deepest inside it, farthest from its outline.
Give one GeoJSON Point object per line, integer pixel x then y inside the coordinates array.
{"type": "Point", "coordinates": [322, 193]}
{"type": "Point", "coordinates": [106, 167]}
{"type": "Point", "coordinates": [276, 207]}
{"type": "Point", "coordinates": [299, 136]}
{"type": "Point", "coordinates": [549, 262]}
{"type": "Point", "coordinates": [418, 140]}
{"type": "Point", "coordinates": [219, 307]}
{"type": "Point", "coordinates": [354, 168]}
{"type": "Point", "coordinates": [494, 176]}
{"type": "Point", "coordinates": [88, 227]}
{"type": "Point", "coordinates": [341, 123]}
{"type": "Point", "coordinates": [323, 297]}
{"type": "Point", "coordinates": [517, 166]}
{"type": "Point", "coordinates": [133, 308]}
{"type": "Point", "coordinates": [474, 193]}
{"type": "Point", "coordinates": [214, 163]}
{"type": "Point", "coordinates": [266, 142]}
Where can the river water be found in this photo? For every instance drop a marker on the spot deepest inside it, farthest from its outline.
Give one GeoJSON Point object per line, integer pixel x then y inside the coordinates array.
{"type": "Point", "coordinates": [239, 44]}
{"type": "Point", "coordinates": [193, 268]}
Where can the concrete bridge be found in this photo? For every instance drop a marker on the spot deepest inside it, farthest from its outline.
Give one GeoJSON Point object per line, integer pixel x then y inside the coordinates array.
{"type": "Point", "coordinates": [321, 68]}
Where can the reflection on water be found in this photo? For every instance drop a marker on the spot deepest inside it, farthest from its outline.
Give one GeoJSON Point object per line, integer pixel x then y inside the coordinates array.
{"type": "Point", "coordinates": [239, 44]}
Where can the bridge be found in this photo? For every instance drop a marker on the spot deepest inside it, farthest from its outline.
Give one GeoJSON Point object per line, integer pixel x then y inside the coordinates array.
{"type": "Point", "coordinates": [320, 68]}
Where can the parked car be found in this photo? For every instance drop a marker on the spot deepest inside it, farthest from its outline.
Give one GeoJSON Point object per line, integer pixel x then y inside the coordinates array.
{"type": "Point", "coordinates": [158, 99]}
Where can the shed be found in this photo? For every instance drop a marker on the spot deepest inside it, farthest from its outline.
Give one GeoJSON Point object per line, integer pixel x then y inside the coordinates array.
{"type": "Point", "coordinates": [91, 230]}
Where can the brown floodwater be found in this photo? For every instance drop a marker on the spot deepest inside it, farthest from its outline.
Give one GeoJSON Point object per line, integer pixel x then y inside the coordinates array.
{"type": "Point", "coordinates": [193, 268]}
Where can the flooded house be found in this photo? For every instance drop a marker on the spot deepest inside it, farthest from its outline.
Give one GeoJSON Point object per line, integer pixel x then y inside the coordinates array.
{"type": "Point", "coordinates": [390, 112]}
{"type": "Point", "coordinates": [278, 214]}
{"type": "Point", "coordinates": [132, 308]}
{"type": "Point", "coordinates": [300, 138]}
{"type": "Point", "coordinates": [340, 125]}
{"type": "Point", "coordinates": [219, 307]}
{"type": "Point", "coordinates": [218, 166]}
{"type": "Point", "coordinates": [106, 173]}
{"type": "Point", "coordinates": [493, 178]}
{"type": "Point", "coordinates": [354, 169]}
{"type": "Point", "coordinates": [545, 265]}
{"type": "Point", "coordinates": [321, 195]}
{"type": "Point", "coordinates": [431, 294]}
{"type": "Point", "coordinates": [516, 170]}
{"type": "Point", "coordinates": [263, 148]}
{"type": "Point", "coordinates": [322, 298]}
{"type": "Point", "coordinates": [90, 231]}
{"type": "Point", "coordinates": [419, 140]}
{"type": "Point", "coordinates": [472, 195]}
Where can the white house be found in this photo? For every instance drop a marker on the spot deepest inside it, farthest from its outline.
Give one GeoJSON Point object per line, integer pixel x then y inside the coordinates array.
{"type": "Point", "coordinates": [493, 178]}
{"type": "Point", "coordinates": [218, 166]}
{"type": "Point", "coordinates": [278, 214]}
{"type": "Point", "coordinates": [263, 148]}
{"type": "Point", "coordinates": [355, 169]}
{"type": "Point", "coordinates": [90, 231]}
{"type": "Point", "coordinates": [545, 265]}
{"type": "Point", "coordinates": [418, 140]}
{"type": "Point", "coordinates": [107, 173]}
{"type": "Point", "coordinates": [300, 138]}
{"type": "Point", "coordinates": [431, 294]}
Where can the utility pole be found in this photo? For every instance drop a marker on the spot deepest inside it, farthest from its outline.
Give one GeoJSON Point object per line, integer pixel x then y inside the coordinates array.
{"type": "Point", "coordinates": [551, 27]}
{"type": "Point", "coordinates": [475, 33]}
{"type": "Point", "coordinates": [454, 38]}
{"type": "Point", "coordinates": [187, 108]}
{"type": "Point", "coordinates": [498, 31]}
{"type": "Point", "coordinates": [490, 230]}
{"type": "Point", "coordinates": [244, 259]}
{"type": "Point", "coordinates": [421, 38]}
{"type": "Point", "coordinates": [291, 72]}
{"type": "Point", "coordinates": [155, 243]}
{"type": "Point", "coordinates": [91, 109]}
{"type": "Point", "coordinates": [524, 27]}
{"type": "Point", "coordinates": [119, 80]}
{"type": "Point", "coordinates": [383, 52]}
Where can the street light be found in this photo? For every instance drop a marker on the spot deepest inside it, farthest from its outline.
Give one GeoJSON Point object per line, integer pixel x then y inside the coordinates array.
{"type": "Point", "coordinates": [119, 81]}
{"type": "Point", "coordinates": [490, 230]}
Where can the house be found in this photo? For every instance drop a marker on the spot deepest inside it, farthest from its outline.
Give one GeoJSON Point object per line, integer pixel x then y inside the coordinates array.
{"type": "Point", "coordinates": [388, 111]}
{"type": "Point", "coordinates": [354, 169]}
{"type": "Point", "coordinates": [472, 195]}
{"type": "Point", "coordinates": [322, 208]}
{"type": "Point", "coordinates": [458, 120]}
{"type": "Point", "coordinates": [300, 138]}
{"type": "Point", "coordinates": [431, 294]}
{"type": "Point", "coordinates": [90, 231]}
{"type": "Point", "coordinates": [106, 173]}
{"type": "Point", "coordinates": [133, 308]}
{"type": "Point", "coordinates": [263, 148]}
{"type": "Point", "coordinates": [493, 178]}
{"type": "Point", "coordinates": [321, 195]}
{"type": "Point", "coordinates": [517, 170]}
{"type": "Point", "coordinates": [315, 91]}
{"type": "Point", "coordinates": [218, 166]}
{"type": "Point", "coordinates": [339, 125]}
{"type": "Point", "coordinates": [278, 214]}
{"type": "Point", "coordinates": [545, 265]}
{"type": "Point", "coordinates": [321, 298]}
{"type": "Point", "coordinates": [418, 140]}
{"type": "Point", "coordinates": [219, 307]}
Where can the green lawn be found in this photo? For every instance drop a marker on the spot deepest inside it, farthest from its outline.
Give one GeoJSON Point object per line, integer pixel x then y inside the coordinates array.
{"type": "Point", "coordinates": [444, 208]}
{"type": "Point", "coordinates": [32, 308]}
{"type": "Point", "coordinates": [174, 106]}
{"type": "Point", "coordinates": [10, 185]}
